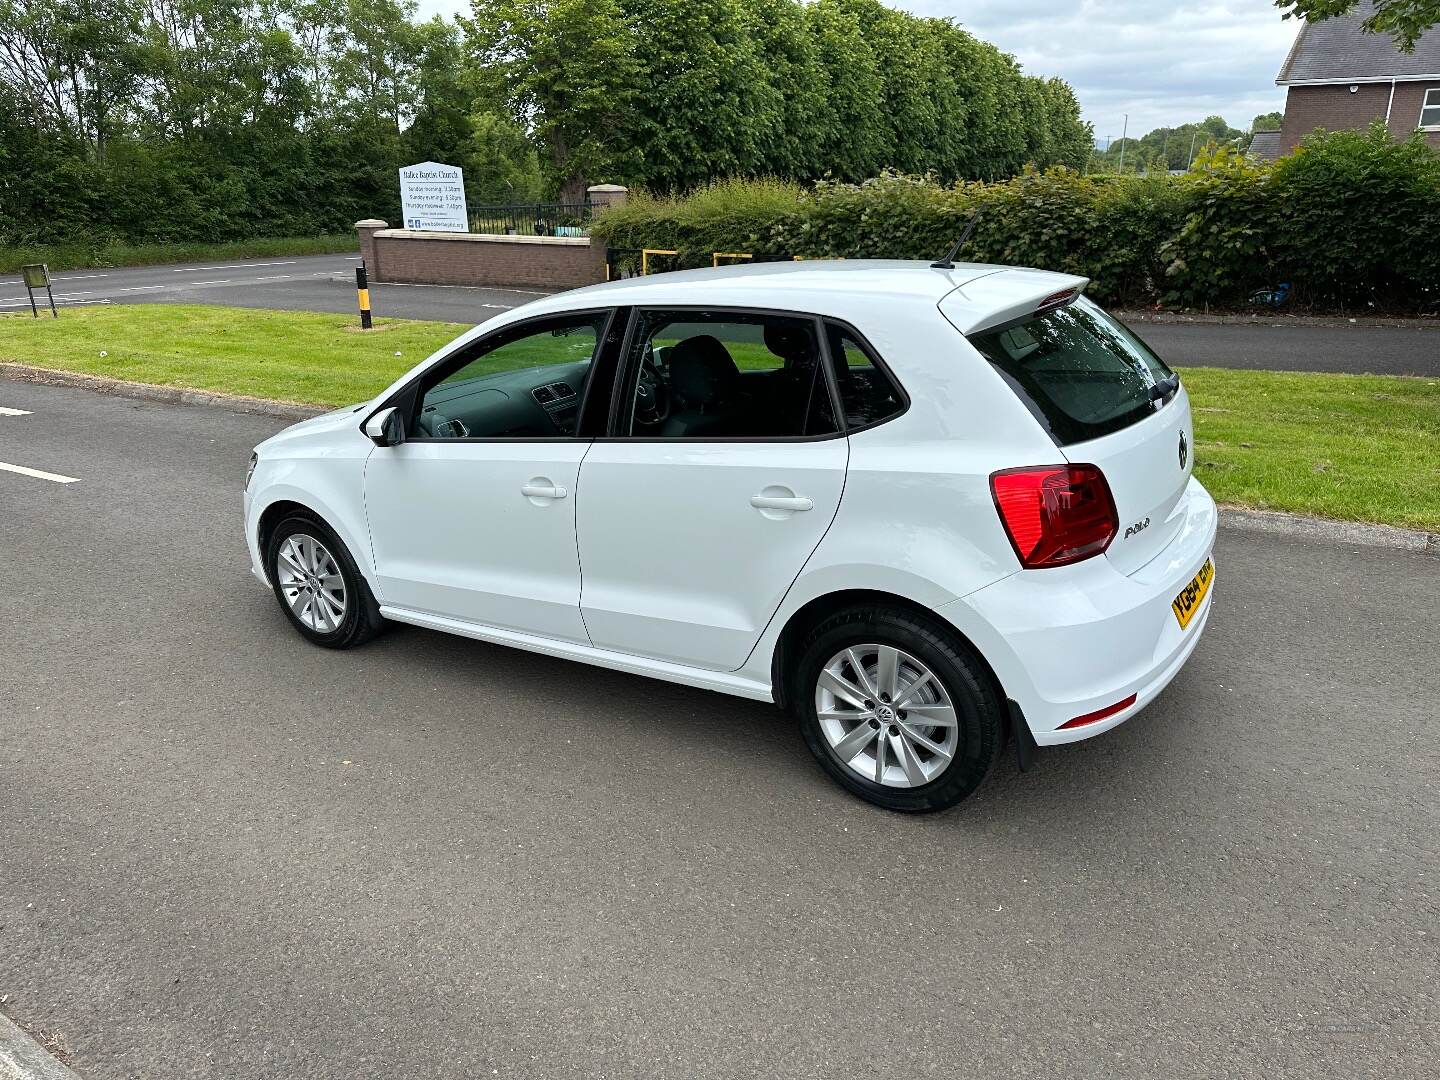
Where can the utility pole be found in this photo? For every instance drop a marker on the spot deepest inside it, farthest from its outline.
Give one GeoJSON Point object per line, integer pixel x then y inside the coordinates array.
{"type": "Point", "coordinates": [1123, 132]}
{"type": "Point", "coordinates": [1191, 159]}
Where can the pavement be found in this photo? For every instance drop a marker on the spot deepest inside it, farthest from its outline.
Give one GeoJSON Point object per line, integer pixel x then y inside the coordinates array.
{"type": "Point", "coordinates": [227, 854]}
{"type": "Point", "coordinates": [327, 283]}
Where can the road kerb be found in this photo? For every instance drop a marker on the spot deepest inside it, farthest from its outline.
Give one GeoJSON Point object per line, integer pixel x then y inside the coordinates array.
{"type": "Point", "coordinates": [173, 395]}
{"type": "Point", "coordinates": [22, 1058]}
{"type": "Point", "coordinates": [1324, 530]}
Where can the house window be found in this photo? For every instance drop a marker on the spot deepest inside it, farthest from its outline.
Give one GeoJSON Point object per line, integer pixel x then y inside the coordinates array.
{"type": "Point", "coordinates": [1430, 111]}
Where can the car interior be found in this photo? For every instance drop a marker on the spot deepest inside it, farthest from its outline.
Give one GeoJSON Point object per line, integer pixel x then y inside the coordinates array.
{"type": "Point", "coordinates": [697, 377]}
{"type": "Point", "coordinates": [691, 384]}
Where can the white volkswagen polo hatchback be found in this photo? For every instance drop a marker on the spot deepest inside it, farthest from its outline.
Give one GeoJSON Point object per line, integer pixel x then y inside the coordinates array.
{"type": "Point", "coordinates": [925, 509]}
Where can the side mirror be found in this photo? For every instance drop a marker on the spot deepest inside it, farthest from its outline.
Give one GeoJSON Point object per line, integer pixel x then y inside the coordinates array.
{"type": "Point", "coordinates": [385, 428]}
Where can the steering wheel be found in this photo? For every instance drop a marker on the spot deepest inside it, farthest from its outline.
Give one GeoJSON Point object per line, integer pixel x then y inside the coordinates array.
{"type": "Point", "coordinates": [652, 393]}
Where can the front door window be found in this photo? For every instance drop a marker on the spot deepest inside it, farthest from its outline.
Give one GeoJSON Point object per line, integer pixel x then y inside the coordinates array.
{"type": "Point", "coordinates": [523, 385]}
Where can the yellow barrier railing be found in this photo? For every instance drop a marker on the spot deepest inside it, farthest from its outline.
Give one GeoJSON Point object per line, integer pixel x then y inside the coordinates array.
{"type": "Point", "coordinates": [715, 258]}
{"type": "Point", "coordinates": [645, 254]}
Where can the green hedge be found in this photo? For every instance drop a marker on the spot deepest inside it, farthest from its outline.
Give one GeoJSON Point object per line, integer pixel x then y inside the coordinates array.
{"type": "Point", "coordinates": [1350, 220]}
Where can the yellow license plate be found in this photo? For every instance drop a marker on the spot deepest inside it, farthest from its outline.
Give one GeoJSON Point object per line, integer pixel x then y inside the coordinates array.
{"type": "Point", "coordinates": [1192, 596]}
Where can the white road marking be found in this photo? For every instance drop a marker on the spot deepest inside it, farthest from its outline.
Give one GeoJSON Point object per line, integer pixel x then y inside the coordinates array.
{"type": "Point", "coordinates": [79, 277]}
{"type": "Point", "coordinates": [217, 281]}
{"type": "Point", "coordinates": [274, 277]}
{"type": "Point", "coordinates": [13, 412]}
{"type": "Point", "coordinates": [230, 266]}
{"type": "Point", "coordinates": [39, 474]}
{"type": "Point", "coordinates": [143, 288]}
{"type": "Point", "coordinates": [60, 301]}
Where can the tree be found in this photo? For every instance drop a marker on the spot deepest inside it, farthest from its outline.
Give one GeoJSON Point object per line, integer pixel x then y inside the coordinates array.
{"type": "Point", "coordinates": [696, 116]}
{"type": "Point", "coordinates": [441, 128]}
{"type": "Point", "coordinates": [1403, 20]}
{"type": "Point", "coordinates": [789, 102]}
{"type": "Point", "coordinates": [566, 72]}
{"type": "Point", "coordinates": [501, 164]}
{"type": "Point", "coordinates": [852, 133]}
{"type": "Point", "coordinates": [1269, 121]}
{"type": "Point", "coordinates": [1166, 148]}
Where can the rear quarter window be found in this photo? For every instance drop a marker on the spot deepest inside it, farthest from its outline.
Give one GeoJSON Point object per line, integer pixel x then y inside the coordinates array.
{"type": "Point", "coordinates": [1080, 372]}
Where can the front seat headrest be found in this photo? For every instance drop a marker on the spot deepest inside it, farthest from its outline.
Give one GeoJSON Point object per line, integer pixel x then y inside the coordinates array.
{"type": "Point", "coordinates": [702, 370]}
{"type": "Point", "coordinates": [794, 344]}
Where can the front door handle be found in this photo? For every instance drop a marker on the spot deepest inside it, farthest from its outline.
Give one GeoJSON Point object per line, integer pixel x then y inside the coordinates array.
{"type": "Point", "coordinates": [538, 489]}
{"type": "Point", "coordinates": [780, 502]}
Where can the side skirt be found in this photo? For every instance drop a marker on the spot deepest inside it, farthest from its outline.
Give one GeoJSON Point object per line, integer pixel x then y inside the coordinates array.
{"type": "Point", "coordinates": [720, 681]}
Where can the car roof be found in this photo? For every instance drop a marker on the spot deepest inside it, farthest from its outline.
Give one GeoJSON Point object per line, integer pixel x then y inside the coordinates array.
{"type": "Point", "coordinates": [837, 287]}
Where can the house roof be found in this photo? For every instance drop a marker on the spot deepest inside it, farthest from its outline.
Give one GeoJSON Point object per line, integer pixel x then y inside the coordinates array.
{"type": "Point", "coordinates": [1265, 145]}
{"type": "Point", "coordinates": [1337, 50]}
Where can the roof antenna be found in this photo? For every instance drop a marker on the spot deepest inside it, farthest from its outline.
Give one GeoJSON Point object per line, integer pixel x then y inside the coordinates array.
{"type": "Point", "coordinates": [948, 262]}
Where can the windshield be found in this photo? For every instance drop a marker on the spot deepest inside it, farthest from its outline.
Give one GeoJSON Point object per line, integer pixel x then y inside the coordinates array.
{"type": "Point", "coordinates": [1079, 371]}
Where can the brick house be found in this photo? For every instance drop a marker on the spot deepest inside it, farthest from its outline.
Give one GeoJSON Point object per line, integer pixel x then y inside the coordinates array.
{"type": "Point", "coordinates": [1338, 77]}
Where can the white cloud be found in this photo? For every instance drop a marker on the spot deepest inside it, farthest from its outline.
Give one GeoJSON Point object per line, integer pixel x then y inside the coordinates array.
{"type": "Point", "coordinates": [1163, 64]}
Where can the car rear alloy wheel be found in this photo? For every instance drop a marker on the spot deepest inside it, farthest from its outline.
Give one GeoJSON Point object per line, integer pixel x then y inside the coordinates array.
{"type": "Point", "coordinates": [886, 716]}
{"type": "Point", "coordinates": [311, 582]}
{"type": "Point", "coordinates": [896, 708]}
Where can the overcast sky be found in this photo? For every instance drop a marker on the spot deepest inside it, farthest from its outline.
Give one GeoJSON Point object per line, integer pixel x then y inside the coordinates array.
{"type": "Point", "coordinates": [1163, 63]}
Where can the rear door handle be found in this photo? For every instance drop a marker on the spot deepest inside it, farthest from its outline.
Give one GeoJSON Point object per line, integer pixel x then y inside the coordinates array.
{"type": "Point", "coordinates": [534, 490]}
{"type": "Point", "coordinates": [780, 502]}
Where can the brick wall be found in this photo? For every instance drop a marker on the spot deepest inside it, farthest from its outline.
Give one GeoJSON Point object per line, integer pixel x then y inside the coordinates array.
{"type": "Point", "coordinates": [1335, 108]}
{"type": "Point", "coordinates": [1405, 111]}
{"type": "Point", "coordinates": [536, 262]}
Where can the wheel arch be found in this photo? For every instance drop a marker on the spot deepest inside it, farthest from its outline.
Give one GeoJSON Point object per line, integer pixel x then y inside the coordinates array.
{"type": "Point", "coordinates": [288, 503]}
{"type": "Point", "coordinates": [277, 512]}
{"type": "Point", "coordinates": [817, 610]}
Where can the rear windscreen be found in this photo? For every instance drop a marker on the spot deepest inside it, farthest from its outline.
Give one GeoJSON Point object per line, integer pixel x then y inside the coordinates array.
{"type": "Point", "coordinates": [1080, 372]}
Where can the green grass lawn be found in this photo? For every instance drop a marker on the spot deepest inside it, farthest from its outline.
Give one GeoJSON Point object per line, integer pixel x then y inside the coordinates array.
{"type": "Point", "coordinates": [81, 255]}
{"type": "Point", "coordinates": [283, 355]}
{"type": "Point", "coordinates": [1352, 447]}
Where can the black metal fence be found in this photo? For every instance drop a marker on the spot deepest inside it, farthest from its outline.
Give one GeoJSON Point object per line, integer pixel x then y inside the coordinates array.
{"type": "Point", "coordinates": [532, 219]}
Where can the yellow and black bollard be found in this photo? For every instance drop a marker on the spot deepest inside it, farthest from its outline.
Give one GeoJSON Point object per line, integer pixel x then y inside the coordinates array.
{"type": "Point", "coordinates": [362, 288]}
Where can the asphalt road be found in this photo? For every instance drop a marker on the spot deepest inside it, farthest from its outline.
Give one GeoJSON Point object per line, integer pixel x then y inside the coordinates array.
{"type": "Point", "coordinates": [327, 283]}
{"type": "Point", "coordinates": [299, 283]}
{"type": "Point", "coordinates": [227, 854]}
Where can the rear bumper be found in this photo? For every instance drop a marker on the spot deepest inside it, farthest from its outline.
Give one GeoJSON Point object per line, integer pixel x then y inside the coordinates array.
{"type": "Point", "coordinates": [1078, 639]}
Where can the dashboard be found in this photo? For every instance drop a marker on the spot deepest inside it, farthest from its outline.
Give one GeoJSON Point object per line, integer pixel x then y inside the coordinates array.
{"type": "Point", "coordinates": [536, 402]}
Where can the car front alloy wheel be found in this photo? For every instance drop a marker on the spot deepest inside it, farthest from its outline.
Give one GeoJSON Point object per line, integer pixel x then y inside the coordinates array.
{"type": "Point", "coordinates": [320, 589]}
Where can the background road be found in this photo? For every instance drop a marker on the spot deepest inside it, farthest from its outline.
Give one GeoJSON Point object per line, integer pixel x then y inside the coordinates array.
{"type": "Point", "coordinates": [227, 854]}
{"type": "Point", "coordinates": [327, 283]}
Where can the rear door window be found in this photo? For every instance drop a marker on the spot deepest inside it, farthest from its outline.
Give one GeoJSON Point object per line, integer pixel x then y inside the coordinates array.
{"type": "Point", "coordinates": [1080, 372]}
{"type": "Point", "coordinates": [696, 374]}
{"type": "Point", "coordinates": [866, 392]}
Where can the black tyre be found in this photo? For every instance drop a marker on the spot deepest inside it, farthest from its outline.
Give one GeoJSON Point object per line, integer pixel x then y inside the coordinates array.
{"type": "Point", "coordinates": [319, 588]}
{"type": "Point", "coordinates": [897, 710]}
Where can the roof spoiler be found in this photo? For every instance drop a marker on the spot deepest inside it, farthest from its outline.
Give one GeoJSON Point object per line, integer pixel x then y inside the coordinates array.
{"type": "Point", "coordinates": [1007, 297]}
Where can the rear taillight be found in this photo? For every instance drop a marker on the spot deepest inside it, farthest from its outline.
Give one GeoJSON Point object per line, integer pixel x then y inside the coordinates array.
{"type": "Point", "coordinates": [1055, 514]}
